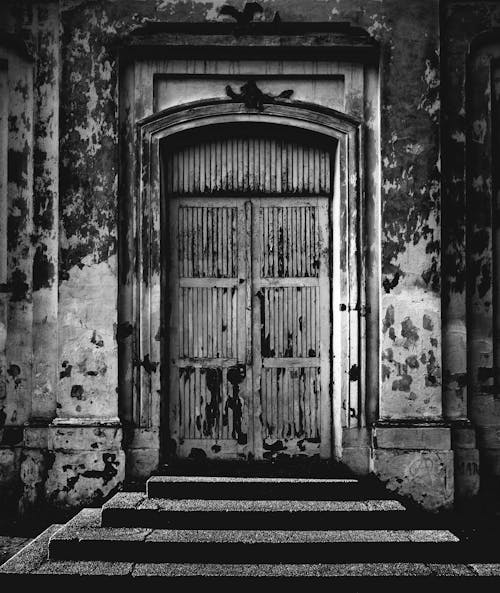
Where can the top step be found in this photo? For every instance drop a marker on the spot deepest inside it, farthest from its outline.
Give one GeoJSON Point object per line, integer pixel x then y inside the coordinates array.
{"type": "Point", "coordinates": [224, 488]}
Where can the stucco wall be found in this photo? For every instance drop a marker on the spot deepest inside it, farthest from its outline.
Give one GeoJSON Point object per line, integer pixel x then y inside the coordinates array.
{"type": "Point", "coordinates": [58, 307]}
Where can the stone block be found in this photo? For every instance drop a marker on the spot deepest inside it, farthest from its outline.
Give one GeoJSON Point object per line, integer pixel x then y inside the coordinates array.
{"type": "Point", "coordinates": [83, 478]}
{"type": "Point", "coordinates": [490, 462]}
{"type": "Point", "coordinates": [33, 472]}
{"type": "Point", "coordinates": [9, 466]}
{"type": "Point", "coordinates": [141, 463]}
{"type": "Point", "coordinates": [145, 438]}
{"type": "Point", "coordinates": [9, 479]}
{"type": "Point", "coordinates": [356, 437]}
{"type": "Point", "coordinates": [425, 477]}
{"type": "Point", "coordinates": [85, 437]}
{"type": "Point", "coordinates": [488, 437]}
{"type": "Point", "coordinates": [357, 459]}
{"type": "Point", "coordinates": [466, 474]}
{"type": "Point", "coordinates": [463, 437]}
{"type": "Point", "coordinates": [485, 410]}
{"type": "Point", "coordinates": [36, 437]}
{"type": "Point", "coordinates": [413, 437]}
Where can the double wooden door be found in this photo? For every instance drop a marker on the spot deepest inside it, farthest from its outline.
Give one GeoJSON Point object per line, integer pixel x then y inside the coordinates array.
{"type": "Point", "coordinates": [248, 309]}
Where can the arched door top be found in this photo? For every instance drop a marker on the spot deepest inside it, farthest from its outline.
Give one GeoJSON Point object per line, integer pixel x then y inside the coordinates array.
{"type": "Point", "coordinates": [314, 118]}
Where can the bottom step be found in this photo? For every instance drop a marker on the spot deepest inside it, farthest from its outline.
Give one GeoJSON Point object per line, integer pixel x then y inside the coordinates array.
{"type": "Point", "coordinates": [83, 538]}
{"type": "Point", "coordinates": [31, 562]}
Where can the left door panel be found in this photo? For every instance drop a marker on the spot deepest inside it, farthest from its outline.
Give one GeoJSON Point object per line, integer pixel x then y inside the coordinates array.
{"type": "Point", "coordinates": [207, 317]}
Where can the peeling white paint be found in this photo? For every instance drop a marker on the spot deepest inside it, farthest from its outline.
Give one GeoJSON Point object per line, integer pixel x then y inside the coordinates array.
{"type": "Point", "coordinates": [459, 137]}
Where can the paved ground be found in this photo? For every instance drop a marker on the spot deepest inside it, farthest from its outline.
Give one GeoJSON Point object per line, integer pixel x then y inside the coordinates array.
{"type": "Point", "coordinates": [13, 537]}
{"type": "Point", "coordinates": [9, 545]}
{"type": "Point", "coordinates": [15, 534]}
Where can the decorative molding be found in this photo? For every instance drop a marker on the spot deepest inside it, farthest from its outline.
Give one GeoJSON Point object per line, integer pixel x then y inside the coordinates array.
{"type": "Point", "coordinates": [281, 40]}
{"type": "Point", "coordinates": [252, 97]}
{"type": "Point", "coordinates": [86, 422]}
{"type": "Point", "coordinates": [242, 17]}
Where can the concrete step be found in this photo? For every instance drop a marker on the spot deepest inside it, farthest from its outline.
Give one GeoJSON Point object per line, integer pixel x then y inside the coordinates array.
{"type": "Point", "coordinates": [133, 509]}
{"type": "Point", "coordinates": [216, 487]}
{"type": "Point", "coordinates": [84, 539]}
{"type": "Point", "coordinates": [32, 565]}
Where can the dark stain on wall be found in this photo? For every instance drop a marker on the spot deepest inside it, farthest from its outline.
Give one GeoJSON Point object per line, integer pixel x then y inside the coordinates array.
{"type": "Point", "coordinates": [388, 321]}
{"type": "Point", "coordinates": [19, 287]}
{"type": "Point", "coordinates": [412, 362]}
{"type": "Point", "coordinates": [66, 372]}
{"type": "Point", "coordinates": [107, 474]}
{"type": "Point", "coordinates": [17, 166]}
{"type": "Point", "coordinates": [427, 323]}
{"type": "Point", "coordinates": [89, 141]}
{"type": "Point", "coordinates": [43, 269]}
{"type": "Point", "coordinates": [77, 392]}
{"type": "Point", "coordinates": [410, 332]}
{"type": "Point", "coordinates": [410, 117]}
{"type": "Point", "coordinates": [403, 383]}
{"type": "Point", "coordinates": [390, 284]}
{"type": "Point", "coordinates": [97, 340]}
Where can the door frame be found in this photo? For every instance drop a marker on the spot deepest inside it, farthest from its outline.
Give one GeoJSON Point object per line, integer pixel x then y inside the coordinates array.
{"type": "Point", "coordinates": [348, 298]}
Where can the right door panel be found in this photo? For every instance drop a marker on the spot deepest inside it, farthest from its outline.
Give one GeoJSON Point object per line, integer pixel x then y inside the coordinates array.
{"type": "Point", "coordinates": [291, 337]}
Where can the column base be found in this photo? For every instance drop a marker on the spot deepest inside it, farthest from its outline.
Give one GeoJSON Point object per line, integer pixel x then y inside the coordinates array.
{"type": "Point", "coordinates": [415, 460]}
{"type": "Point", "coordinates": [357, 450]}
{"type": "Point", "coordinates": [86, 461]}
{"type": "Point", "coordinates": [10, 460]}
{"type": "Point", "coordinates": [142, 453]}
{"type": "Point", "coordinates": [467, 479]}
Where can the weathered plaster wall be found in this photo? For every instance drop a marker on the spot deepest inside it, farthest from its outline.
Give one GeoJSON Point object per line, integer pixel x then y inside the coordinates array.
{"type": "Point", "coordinates": [48, 321]}
{"type": "Point", "coordinates": [44, 240]}
{"type": "Point", "coordinates": [87, 398]}
{"type": "Point", "coordinates": [16, 303]}
{"type": "Point", "coordinates": [82, 388]}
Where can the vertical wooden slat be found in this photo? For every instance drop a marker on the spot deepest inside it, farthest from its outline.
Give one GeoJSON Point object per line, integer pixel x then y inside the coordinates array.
{"type": "Point", "coordinates": [243, 165]}
{"type": "Point", "coordinates": [286, 231]}
{"type": "Point", "coordinates": [263, 235]}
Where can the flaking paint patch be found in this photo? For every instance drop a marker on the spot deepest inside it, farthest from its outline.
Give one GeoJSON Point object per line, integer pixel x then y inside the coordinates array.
{"type": "Point", "coordinates": [84, 477]}
{"type": "Point", "coordinates": [87, 303]}
{"type": "Point", "coordinates": [89, 141]}
{"type": "Point", "coordinates": [411, 358]}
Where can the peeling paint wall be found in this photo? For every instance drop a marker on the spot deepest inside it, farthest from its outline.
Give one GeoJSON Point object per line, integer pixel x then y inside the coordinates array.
{"type": "Point", "coordinates": [66, 267]}
{"type": "Point", "coordinates": [16, 254]}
